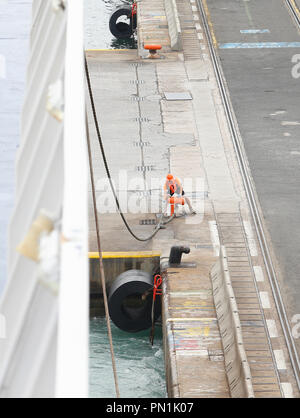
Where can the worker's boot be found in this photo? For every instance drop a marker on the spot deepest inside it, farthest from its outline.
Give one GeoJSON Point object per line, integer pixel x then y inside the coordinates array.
{"type": "Point", "coordinates": [192, 210]}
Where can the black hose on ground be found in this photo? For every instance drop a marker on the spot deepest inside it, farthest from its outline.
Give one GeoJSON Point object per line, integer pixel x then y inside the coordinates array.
{"type": "Point", "coordinates": [161, 222]}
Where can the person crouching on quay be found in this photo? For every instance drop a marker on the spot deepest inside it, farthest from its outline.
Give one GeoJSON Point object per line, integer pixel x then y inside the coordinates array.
{"type": "Point", "coordinates": [172, 187]}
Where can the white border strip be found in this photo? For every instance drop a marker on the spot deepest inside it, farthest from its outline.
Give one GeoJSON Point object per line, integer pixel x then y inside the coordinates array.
{"type": "Point", "coordinates": [214, 234]}
{"type": "Point", "coordinates": [73, 331]}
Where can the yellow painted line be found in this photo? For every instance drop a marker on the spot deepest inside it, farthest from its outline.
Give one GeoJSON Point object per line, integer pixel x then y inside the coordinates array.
{"type": "Point", "coordinates": [186, 333]}
{"type": "Point", "coordinates": [191, 319]}
{"type": "Point", "coordinates": [107, 50]}
{"type": "Point", "coordinates": [295, 7]}
{"type": "Point", "coordinates": [182, 294]}
{"type": "Point", "coordinates": [202, 308]}
{"type": "Point", "coordinates": [161, 17]}
{"type": "Point", "coordinates": [125, 254]}
{"type": "Point", "coordinates": [210, 24]}
{"type": "Point", "coordinates": [194, 332]}
{"type": "Point", "coordinates": [202, 303]}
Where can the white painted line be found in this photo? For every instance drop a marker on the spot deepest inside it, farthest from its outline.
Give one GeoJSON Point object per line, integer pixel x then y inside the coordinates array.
{"type": "Point", "coordinates": [193, 319]}
{"type": "Point", "coordinates": [181, 56]}
{"type": "Point", "coordinates": [288, 123]}
{"type": "Point", "coordinates": [2, 67]}
{"type": "Point", "coordinates": [188, 353]}
{"type": "Point", "coordinates": [190, 294]}
{"type": "Point", "coordinates": [287, 390]}
{"type": "Point", "coordinates": [254, 31]}
{"type": "Point", "coordinates": [214, 235]}
{"type": "Point", "coordinates": [194, 9]}
{"type": "Point", "coordinates": [279, 112]}
{"type": "Point", "coordinates": [279, 357]}
{"type": "Point", "coordinates": [250, 238]}
{"type": "Point", "coordinates": [259, 275]}
{"type": "Point", "coordinates": [271, 324]}
{"type": "Point", "coordinates": [198, 26]}
{"type": "Point", "coordinates": [265, 301]}
{"type": "Point", "coordinates": [259, 45]}
{"type": "Point", "coordinates": [200, 36]}
{"type": "Point", "coordinates": [2, 327]}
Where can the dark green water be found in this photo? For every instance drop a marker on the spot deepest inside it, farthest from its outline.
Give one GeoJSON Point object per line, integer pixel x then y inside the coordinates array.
{"type": "Point", "coordinates": [140, 366]}
{"type": "Point", "coordinates": [97, 34]}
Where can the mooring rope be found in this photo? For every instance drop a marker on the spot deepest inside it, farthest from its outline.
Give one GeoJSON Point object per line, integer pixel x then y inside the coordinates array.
{"type": "Point", "coordinates": [102, 273]}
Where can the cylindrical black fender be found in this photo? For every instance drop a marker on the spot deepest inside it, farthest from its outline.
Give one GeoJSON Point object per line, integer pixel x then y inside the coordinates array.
{"type": "Point", "coordinates": [133, 286]}
{"type": "Point", "coordinates": [122, 29]}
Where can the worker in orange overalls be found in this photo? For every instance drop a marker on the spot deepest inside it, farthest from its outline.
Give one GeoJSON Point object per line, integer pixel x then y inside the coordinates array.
{"type": "Point", "coordinates": [173, 186]}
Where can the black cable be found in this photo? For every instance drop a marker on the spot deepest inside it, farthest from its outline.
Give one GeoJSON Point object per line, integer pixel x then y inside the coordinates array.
{"type": "Point", "coordinates": [159, 225]}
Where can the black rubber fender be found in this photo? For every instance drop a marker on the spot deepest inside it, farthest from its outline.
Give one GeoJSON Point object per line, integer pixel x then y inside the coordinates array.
{"type": "Point", "coordinates": [133, 283]}
{"type": "Point", "coordinates": [122, 29]}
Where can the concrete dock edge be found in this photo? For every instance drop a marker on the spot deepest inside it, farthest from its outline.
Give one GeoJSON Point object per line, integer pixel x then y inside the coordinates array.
{"type": "Point", "coordinates": [169, 349]}
{"type": "Point", "coordinates": [174, 25]}
{"type": "Point", "coordinates": [237, 366]}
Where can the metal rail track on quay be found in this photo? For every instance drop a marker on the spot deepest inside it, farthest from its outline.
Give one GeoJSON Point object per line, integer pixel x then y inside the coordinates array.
{"type": "Point", "coordinates": [291, 5]}
{"type": "Point", "coordinates": [249, 188]}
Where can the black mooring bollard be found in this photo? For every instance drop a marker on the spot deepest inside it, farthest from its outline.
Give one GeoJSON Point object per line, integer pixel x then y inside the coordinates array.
{"type": "Point", "coordinates": [176, 254]}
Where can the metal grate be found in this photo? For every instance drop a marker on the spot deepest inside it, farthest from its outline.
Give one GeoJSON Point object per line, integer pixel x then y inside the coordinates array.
{"type": "Point", "coordinates": [137, 64]}
{"type": "Point", "coordinates": [141, 144]}
{"type": "Point", "coordinates": [144, 168]}
{"type": "Point", "coordinates": [142, 119]}
{"type": "Point", "coordinates": [148, 222]}
{"type": "Point", "coordinates": [178, 96]}
{"type": "Point", "coordinates": [137, 81]}
{"type": "Point", "coordinates": [137, 99]}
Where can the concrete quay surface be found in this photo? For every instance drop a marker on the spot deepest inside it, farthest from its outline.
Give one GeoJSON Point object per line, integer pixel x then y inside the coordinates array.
{"type": "Point", "coordinates": [265, 98]}
{"type": "Point", "coordinates": [147, 136]}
